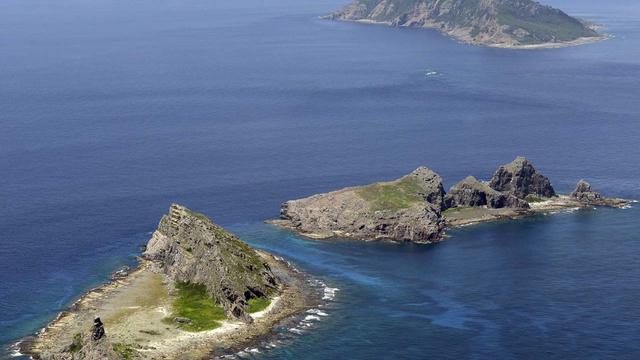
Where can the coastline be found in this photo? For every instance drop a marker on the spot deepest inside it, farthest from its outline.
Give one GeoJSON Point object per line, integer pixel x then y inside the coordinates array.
{"type": "Point", "coordinates": [462, 40]}
{"type": "Point", "coordinates": [132, 306]}
{"type": "Point", "coordinates": [466, 216]}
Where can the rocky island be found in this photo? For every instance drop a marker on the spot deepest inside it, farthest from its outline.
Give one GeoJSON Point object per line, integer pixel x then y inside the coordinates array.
{"type": "Point", "coordinates": [198, 291]}
{"type": "Point", "coordinates": [496, 23]}
{"type": "Point", "coordinates": [415, 207]}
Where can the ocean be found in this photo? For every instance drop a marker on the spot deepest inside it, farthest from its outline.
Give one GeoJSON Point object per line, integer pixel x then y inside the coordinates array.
{"type": "Point", "coordinates": [110, 110]}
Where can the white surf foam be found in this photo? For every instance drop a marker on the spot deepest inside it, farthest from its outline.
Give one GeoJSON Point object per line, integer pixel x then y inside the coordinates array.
{"type": "Point", "coordinates": [296, 331]}
{"type": "Point", "coordinates": [329, 293]}
{"type": "Point", "coordinates": [317, 312]}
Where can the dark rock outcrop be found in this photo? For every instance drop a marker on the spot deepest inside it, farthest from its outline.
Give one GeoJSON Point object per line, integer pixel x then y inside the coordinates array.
{"type": "Point", "coordinates": [407, 209]}
{"type": "Point", "coordinates": [193, 249]}
{"type": "Point", "coordinates": [521, 179]}
{"type": "Point", "coordinates": [97, 332]}
{"type": "Point", "coordinates": [471, 192]}
{"type": "Point", "coordinates": [584, 193]}
{"type": "Point", "coordinates": [92, 345]}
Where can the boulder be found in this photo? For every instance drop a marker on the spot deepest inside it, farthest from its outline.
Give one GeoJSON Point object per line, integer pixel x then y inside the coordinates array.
{"type": "Point", "coordinates": [521, 179]}
{"type": "Point", "coordinates": [471, 192]}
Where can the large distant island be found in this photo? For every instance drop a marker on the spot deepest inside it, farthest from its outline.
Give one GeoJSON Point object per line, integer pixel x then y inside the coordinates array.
{"type": "Point", "coordinates": [497, 23]}
{"type": "Point", "coordinates": [199, 292]}
{"type": "Point", "coordinates": [415, 208]}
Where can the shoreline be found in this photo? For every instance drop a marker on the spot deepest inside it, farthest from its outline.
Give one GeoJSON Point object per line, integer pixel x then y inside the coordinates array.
{"type": "Point", "coordinates": [115, 301]}
{"type": "Point", "coordinates": [547, 45]}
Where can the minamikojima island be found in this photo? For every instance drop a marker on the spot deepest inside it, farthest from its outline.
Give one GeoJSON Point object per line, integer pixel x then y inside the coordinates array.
{"type": "Point", "coordinates": [198, 291]}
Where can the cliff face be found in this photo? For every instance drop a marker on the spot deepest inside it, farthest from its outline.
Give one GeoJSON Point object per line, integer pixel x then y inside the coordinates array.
{"type": "Point", "coordinates": [489, 22]}
{"type": "Point", "coordinates": [521, 179]}
{"type": "Point", "coordinates": [407, 209]}
{"type": "Point", "coordinates": [472, 193]}
{"type": "Point", "coordinates": [194, 249]}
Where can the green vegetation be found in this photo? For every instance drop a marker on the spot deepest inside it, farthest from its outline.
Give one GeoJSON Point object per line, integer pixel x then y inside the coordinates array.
{"type": "Point", "coordinates": [76, 345]}
{"type": "Point", "coordinates": [258, 304]}
{"type": "Point", "coordinates": [551, 26]}
{"type": "Point", "coordinates": [451, 211]}
{"type": "Point", "coordinates": [533, 199]}
{"type": "Point", "coordinates": [392, 196]}
{"type": "Point", "coordinates": [126, 351]}
{"type": "Point", "coordinates": [195, 304]}
{"type": "Point", "coordinates": [540, 23]}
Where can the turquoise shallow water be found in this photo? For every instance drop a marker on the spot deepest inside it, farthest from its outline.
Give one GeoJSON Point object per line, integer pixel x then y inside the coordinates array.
{"type": "Point", "coordinates": [110, 110]}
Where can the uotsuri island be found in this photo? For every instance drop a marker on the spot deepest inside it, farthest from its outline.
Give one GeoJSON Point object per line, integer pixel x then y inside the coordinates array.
{"type": "Point", "coordinates": [497, 23]}
{"type": "Point", "coordinates": [416, 208]}
{"type": "Point", "coordinates": [198, 292]}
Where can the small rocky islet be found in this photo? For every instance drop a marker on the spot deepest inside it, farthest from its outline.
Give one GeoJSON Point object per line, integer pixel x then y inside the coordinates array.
{"type": "Point", "coordinates": [415, 208]}
{"type": "Point", "coordinates": [199, 291]}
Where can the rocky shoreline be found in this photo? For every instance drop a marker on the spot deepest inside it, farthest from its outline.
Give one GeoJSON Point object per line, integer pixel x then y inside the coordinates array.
{"type": "Point", "coordinates": [136, 306]}
{"type": "Point", "coordinates": [415, 208]}
{"type": "Point", "coordinates": [463, 39]}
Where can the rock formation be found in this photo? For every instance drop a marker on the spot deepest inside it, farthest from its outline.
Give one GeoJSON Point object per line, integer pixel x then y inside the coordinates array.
{"type": "Point", "coordinates": [488, 22]}
{"type": "Point", "coordinates": [471, 192]}
{"type": "Point", "coordinates": [193, 249]}
{"type": "Point", "coordinates": [412, 208]}
{"type": "Point", "coordinates": [584, 193]}
{"type": "Point", "coordinates": [521, 179]}
{"type": "Point", "coordinates": [407, 209]}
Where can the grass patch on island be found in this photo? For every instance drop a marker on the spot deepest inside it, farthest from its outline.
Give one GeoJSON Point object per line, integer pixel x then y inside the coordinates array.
{"type": "Point", "coordinates": [392, 196]}
{"type": "Point", "coordinates": [533, 199]}
{"type": "Point", "coordinates": [258, 304]}
{"type": "Point", "coordinates": [76, 345]}
{"type": "Point", "coordinates": [451, 211]}
{"type": "Point", "coordinates": [126, 351]}
{"type": "Point", "coordinates": [193, 303]}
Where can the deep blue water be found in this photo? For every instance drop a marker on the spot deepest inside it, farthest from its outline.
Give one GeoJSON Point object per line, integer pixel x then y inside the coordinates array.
{"type": "Point", "coordinates": [112, 109]}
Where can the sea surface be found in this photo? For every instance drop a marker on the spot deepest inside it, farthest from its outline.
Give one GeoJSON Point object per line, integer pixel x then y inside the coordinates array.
{"type": "Point", "coordinates": [111, 109]}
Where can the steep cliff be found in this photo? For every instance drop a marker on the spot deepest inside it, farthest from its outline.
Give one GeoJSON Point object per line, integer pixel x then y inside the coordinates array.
{"type": "Point", "coordinates": [489, 22]}
{"type": "Point", "coordinates": [521, 179]}
{"type": "Point", "coordinates": [407, 209]}
{"type": "Point", "coordinates": [193, 249]}
{"type": "Point", "coordinates": [471, 192]}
